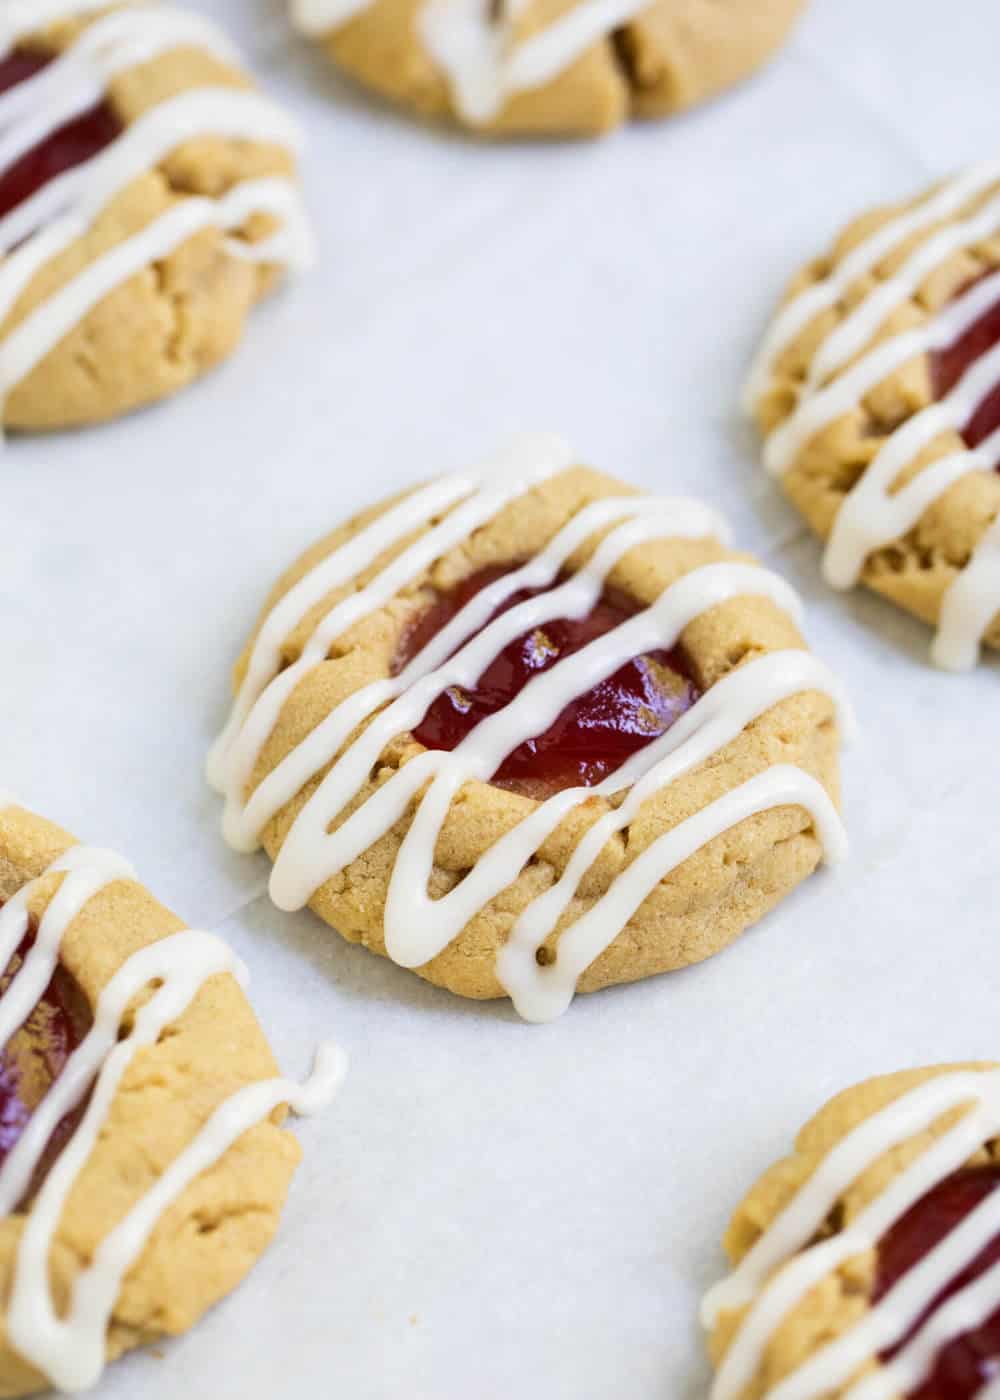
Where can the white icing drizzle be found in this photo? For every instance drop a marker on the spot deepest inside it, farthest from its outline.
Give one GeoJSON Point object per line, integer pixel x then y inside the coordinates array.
{"type": "Point", "coordinates": [70, 1349]}
{"type": "Point", "coordinates": [417, 927]}
{"type": "Point", "coordinates": [486, 65]}
{"type": "Point", "coordinates": [62, 210]}
{"type": "Point", "coordinates": [843, 371]}
{"type": "Point", "coordinates": [478, 50]}
{"type": "Point", "coordinates": [88, 870]}
{"type": "Point", "coordinates": [970, 605]}
{"type": "Point", "coordinates": [782, 1266]}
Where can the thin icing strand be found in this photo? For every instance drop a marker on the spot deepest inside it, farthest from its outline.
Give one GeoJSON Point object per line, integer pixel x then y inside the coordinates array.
{"type": "Point", "coordinates": [873, 514]}
{"type": "Point", "coordinates": [62, 210]}
{"type": "Point", "coordinates": [86, 870]}
{"type": "Point", "coordinates": [69, 1349]}
{"type": "Point", "coordinates": [485, 63]}
{"type": "Point", "coordinates": [312, 853]}
{"type": "Point", "coordinates": [970, 605]}
{"type": "Point", "coordinates": [782, 1266]}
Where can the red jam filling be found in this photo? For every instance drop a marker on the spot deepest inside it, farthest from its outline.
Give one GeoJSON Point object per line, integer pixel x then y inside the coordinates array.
{"type": "Point", "coordinates": [595, 733]}
{"type": "Point", "coordinates": [35, 1055]}
{"type": "Point", "coordinates": [70, 145]}
{"type": "Point", "coordinates": [971, 1360]}
{"type": "Point", "coordinates": [948, 366]}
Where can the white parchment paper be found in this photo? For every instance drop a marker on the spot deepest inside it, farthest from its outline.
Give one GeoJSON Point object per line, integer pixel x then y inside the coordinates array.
{"type": "Point", "coordinates": [492, 1209]}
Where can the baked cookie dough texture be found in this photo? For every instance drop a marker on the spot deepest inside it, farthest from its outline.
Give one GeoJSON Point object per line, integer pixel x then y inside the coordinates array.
{"type": "Point", "coordinates": [487, 891]}
{"type": "Point", "coordinates": [172, 1182]}
{"type": "Point", "coordinates": [843, 389]}
{"type": "Point", "coordinates": [554, 67]}
{"type": "Point", "coordinates": [796, 1317]}
{"type": "Point", "coordinates": [129, 275]}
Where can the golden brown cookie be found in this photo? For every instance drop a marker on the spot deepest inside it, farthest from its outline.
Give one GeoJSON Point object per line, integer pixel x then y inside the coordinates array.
{"type": "Point", "coordinates": [632, 762]}
{"type": "Point", "coordinates": [546, 67]}
{"type": "Point", "coordinates": [878, 391]}
{"type": "Point", "coordinates": [143, 1167]}
{"type": "Point", "coordinates": [148, 198]}
{"type": "Point", "coordinates": [865, 1264]}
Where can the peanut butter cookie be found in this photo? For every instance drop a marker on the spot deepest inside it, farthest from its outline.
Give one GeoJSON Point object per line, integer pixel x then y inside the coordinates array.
{"type": "Point", "coordinates": [866, 1264]}
{"type": "Point", "coordinates": [147, 199]}
{"type": "Point", "coordinates": [528, 731]}
{"type": "Point", "coordinates": [143, 1167]}
{"type": "Point", "coordinates": [878, 391]}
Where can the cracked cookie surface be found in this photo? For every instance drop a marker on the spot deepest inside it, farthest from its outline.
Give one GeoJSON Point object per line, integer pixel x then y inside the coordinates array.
{"type": "Point", "coordinates": [861, 1261]}
{"type": "Point", "coordinates": [876, 389]}
{"type": "Point", "coordinates": [493, 888]}
{"type": "Point", "coordinates": [549, 67]}
{"type": "Point", "coordinates": [206, 1235]}
{"type": "Point", "coordinates": [154, 202]}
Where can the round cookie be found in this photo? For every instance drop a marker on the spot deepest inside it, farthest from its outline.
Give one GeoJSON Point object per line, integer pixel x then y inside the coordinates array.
{"type": "Point", "coordinates": [148, 199]}
{"type": "Point", "coordinates": [546, 67]}
{"type": "Point", "coordinates": [878, 390]}
{"type": "Point", "coordinates": [865, 1264]}
{"type": "Point", "coordinates": [634, 760]}
{"type": "Point", "coordinates": [143, 1167]}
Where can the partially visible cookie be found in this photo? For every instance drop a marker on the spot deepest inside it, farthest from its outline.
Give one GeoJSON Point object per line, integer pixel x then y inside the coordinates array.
{"type": "Point", "coordinates": [547, 67]}
{"type": "Point", "coordinates": [143, 1167]}
{"type": "Point", "coordinates": [878, 390]}
{"type": "Point", "coordinates": [528, 731]}
{"type": "Point", "coordinates": [148, 198]}
{"type": "Point", "coordinates": [867, 1264]}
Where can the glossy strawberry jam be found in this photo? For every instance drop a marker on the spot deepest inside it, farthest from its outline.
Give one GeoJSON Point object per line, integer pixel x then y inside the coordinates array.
{"type": "Point", "coordinates": [971, 1360]}
{"type": "Point", "coordinates": [948, 366]}
{"type": "Point", "coordinates": [595, 733]}
{"type": "Point", "coordinates": [36, 1054]}
{"type": "Point", "coordinates": [70, 145]}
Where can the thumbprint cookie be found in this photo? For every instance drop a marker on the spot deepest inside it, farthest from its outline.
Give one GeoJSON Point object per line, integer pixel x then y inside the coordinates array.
{"type": "Point", "coordinates": [547, 67]}
{"type": "Point", "coordinates": [877, 389]}
{"type": "Point", "coordinates": [866, 1266]}
{"type": "Point", "coordinates": [529, 731]}
{"type": "Point", "coordinates": [143, 1165]}
{"type": "Point", "coordinates": [148, 198]}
